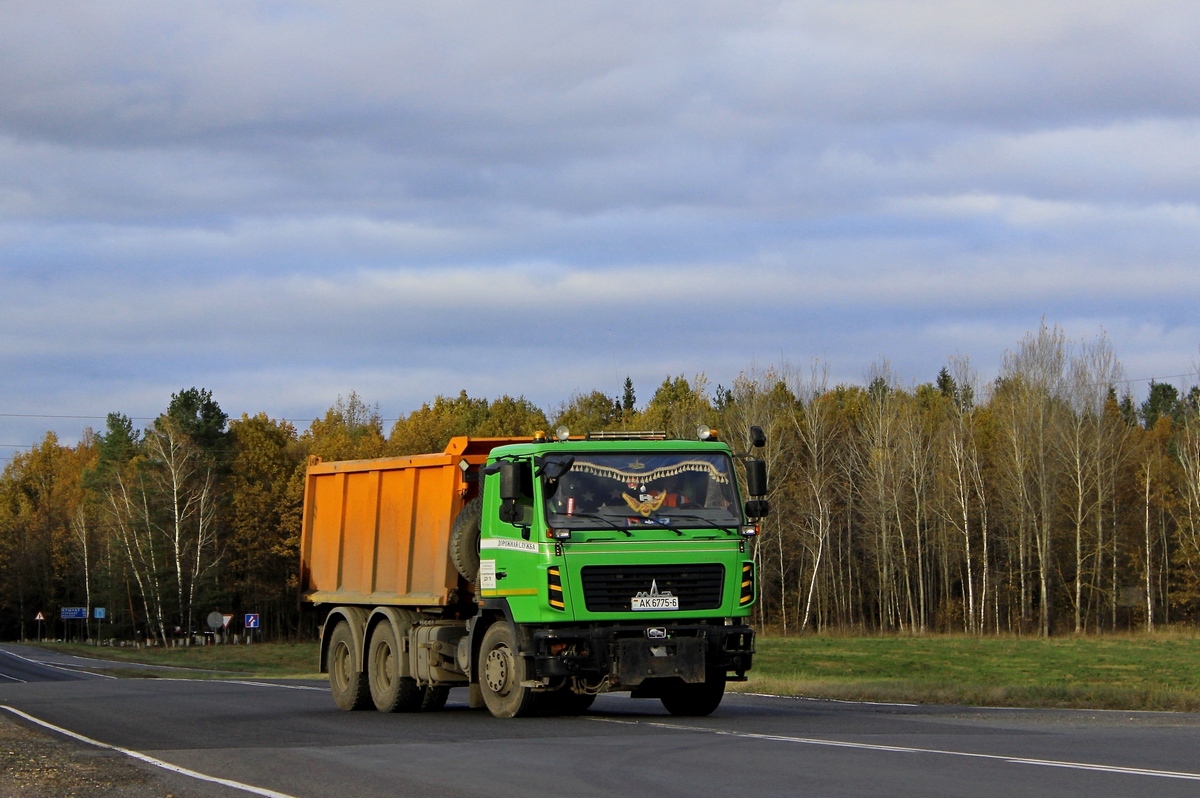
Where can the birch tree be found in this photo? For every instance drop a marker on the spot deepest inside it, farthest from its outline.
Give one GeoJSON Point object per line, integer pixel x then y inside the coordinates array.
{"type": "Point", "coordinates": [819, 429]}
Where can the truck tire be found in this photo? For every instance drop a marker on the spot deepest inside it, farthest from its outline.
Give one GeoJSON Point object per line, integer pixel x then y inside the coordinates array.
{"type": "Point", "coordinates": [501, 670]}
{"type": "Point", "coordinates": [390, 691]}
{"type": "Point", "coordinates": [464, 539]}
{"type": "Point", "coordinates": [695, 700]}
{"type": "Point", "coordinates": [346, 682]}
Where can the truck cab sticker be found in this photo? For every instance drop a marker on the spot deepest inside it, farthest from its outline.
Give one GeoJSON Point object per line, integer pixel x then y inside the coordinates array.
{"type": "Point", "coordinates": [487, 574]}
{"type": "Point", "coordinates": [510, 545]}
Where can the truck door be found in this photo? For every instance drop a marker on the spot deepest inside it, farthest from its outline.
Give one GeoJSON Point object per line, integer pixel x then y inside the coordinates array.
{"type": "Point", "coordinates": [507, 548]}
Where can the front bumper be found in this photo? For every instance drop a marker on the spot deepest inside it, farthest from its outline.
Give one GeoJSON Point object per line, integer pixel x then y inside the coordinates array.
{"type": "Point", "coordinates": [627, 655]}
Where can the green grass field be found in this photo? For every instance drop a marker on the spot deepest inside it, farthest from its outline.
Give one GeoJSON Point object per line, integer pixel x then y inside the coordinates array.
{"type": "Point", "coordinates": [1119, 672]}
{"type": "Point", "coordinates": [1160, 671]}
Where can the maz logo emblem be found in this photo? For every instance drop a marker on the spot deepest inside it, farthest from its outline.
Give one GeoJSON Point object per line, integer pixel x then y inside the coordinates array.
{"type": "Point", "coordinates": [654, 600]}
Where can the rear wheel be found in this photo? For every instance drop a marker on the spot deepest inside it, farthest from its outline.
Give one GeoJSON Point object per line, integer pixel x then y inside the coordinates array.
{"type": "Point", "coordinates": [390, 691]}
{"type": "Point", "coordinates": [695, 700]}
{"type": "Point", "coordinates": [501, 671]}
{"type": "Point", "coordinates": [347, 682]}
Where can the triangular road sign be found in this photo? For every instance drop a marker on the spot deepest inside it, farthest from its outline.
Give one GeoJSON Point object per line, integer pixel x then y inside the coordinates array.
{"type": "Point", "coordinates": [226, 619]}
{"type": "Point", "coordinates": [40, 617]}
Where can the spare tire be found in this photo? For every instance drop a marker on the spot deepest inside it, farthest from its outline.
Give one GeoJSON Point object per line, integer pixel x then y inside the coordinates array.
{"type": "Point", "coordinates": [464, 539]}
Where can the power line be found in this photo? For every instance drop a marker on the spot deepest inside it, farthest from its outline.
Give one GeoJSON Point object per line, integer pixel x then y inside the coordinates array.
{"type": "Point", "coordinates": [1157, 379]}
{"type": "Point", "coordinates": [145, 418]}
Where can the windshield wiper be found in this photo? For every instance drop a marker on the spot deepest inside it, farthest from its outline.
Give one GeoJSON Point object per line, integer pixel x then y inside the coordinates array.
{"type": "Point", "coordinates": [708, 523]}
{"type": "Point", "coordinates": [597, 517]}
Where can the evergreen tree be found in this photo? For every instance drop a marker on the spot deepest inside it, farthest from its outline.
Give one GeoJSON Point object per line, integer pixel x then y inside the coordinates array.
{"type": "Point", "coordinates": [199, 417]}
{"type": "Point", "coordinates": [1163, 401]}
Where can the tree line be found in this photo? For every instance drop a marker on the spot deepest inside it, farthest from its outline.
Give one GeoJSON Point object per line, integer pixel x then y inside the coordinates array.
{"type": "Point", "coordinates": [1044, 502]}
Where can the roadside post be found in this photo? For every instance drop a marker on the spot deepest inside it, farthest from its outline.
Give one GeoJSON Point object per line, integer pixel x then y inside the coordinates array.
{"type": "Point", "coordinates": [214, 622]}
{"type": "Point", "coordinates": [40, 617]}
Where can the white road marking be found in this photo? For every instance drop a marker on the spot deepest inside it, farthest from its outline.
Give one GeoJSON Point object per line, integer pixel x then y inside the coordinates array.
{"type": "Point", "coordinates": [237, 785]}
{"type": "Point", "coordinates": [831, 700]}
{"type": "Point", "coordinates": [55, 667]}
{"type": "Point", "coordinates": [271, 684]}
{"type": "Point", "coordinates": [897, 749]}
{"type": "Point", "coordinates": [13, 678]}
{"type": "Point", "coordinates": [246, 683]}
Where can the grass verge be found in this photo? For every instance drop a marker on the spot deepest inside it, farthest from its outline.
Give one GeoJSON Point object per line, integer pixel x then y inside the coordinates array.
{"type": "Point", "coordinates": [261, 660]}
{"type": "Point", "coordinates": [1134, 672]}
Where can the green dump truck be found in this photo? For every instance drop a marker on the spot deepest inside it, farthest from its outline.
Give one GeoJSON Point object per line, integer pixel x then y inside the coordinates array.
{"type": "Point", "coordinates": [538, 572]}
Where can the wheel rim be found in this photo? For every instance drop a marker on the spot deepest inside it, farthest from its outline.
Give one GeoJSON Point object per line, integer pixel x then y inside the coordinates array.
{"type": "Point", "coordinates": [341, 665]}
{"type": "Point", "coordinates": [383, 665]}
{"type": "Point", "coordinates": [497, 672]}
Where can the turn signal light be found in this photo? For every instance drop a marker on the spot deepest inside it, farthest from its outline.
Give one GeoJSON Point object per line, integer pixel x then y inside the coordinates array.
{"type": "Point", "coordinates": [747, 593]}
{"type": "Point", "coordinates": [555, 595]}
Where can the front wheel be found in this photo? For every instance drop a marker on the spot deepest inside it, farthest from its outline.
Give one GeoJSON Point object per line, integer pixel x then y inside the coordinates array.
{"type": "Point", "coordinates": [501, 671]}
{"type": "Point", "coordinates": [695, 700]}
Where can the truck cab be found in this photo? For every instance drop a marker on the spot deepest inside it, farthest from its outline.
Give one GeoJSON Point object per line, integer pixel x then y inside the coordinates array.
{"type": "Point", "coordinates": [619, 564]}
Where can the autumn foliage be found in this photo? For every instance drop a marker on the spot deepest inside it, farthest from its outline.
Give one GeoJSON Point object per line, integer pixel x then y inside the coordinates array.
{"type": "Point", "coordinates": [1044, 502]}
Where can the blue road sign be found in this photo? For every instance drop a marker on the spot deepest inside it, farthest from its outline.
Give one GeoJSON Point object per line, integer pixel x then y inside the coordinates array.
{"type": "Point", "coordinates": [98, 613]}
{"type": "Point", "coordinates": [252, 620]}
{"type": "Point", "coordinates": [73, 613]}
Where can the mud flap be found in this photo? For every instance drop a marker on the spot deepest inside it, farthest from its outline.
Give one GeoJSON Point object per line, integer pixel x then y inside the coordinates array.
{"type": "Point", "coordinates": [640, 659]}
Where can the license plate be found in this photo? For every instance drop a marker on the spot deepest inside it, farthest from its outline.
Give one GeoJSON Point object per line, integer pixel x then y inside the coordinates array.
{"type": "Point", "coordinates": [656, 602]}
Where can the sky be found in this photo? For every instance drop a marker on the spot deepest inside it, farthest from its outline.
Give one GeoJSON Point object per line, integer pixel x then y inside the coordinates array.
{"type": "Point", "coordinates": [286, 202]}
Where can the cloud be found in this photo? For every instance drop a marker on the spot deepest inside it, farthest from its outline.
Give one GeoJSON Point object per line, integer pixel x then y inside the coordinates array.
{"type": "Point", "coordinates": [284, 202]}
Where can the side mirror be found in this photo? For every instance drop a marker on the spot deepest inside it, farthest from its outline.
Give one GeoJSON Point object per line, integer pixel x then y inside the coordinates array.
{"type": "Point", "coordinates": [758, 508]}
{"type": "Point", "coordinates": [516, 514]}
{"type": "Point", "coordinates": [510, 491]}
{"type": "Point", "coordinates": [758, 438]}
{"type": "Point", "coordinates": [756, 477]}
{"type": "Point", "coordinates": [554, 469]}
{"type": "Point", "coordinates": [510, 480]}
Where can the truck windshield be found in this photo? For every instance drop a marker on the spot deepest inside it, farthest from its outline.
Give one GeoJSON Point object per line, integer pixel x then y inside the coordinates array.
{"type": "Point", "coordinates": [677, 490]}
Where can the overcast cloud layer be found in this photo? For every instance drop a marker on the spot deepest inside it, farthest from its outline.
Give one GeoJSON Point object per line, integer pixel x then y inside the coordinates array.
{"type": "Point", "coordinates": [282, 202]}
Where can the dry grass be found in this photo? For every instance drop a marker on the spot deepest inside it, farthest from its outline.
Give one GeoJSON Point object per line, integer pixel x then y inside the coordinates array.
{"type": "Point", "coordinates": [1135, 671]}
{"type": "Point", "coordinates": [261, 660]}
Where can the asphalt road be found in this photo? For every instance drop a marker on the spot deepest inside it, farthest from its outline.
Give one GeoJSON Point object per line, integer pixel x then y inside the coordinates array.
{"type": "Point", "coordinates": [289, 738]}
{"type": "Point", "coordinates": [21, 665]}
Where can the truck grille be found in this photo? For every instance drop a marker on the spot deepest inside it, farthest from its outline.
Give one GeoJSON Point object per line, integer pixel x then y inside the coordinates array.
{"type": "Point", "coordinates": [611, 588]}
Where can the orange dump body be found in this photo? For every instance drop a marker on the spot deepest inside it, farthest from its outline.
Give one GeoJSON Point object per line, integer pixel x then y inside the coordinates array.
{"type": "Point", "coordinates": [377, 532]}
